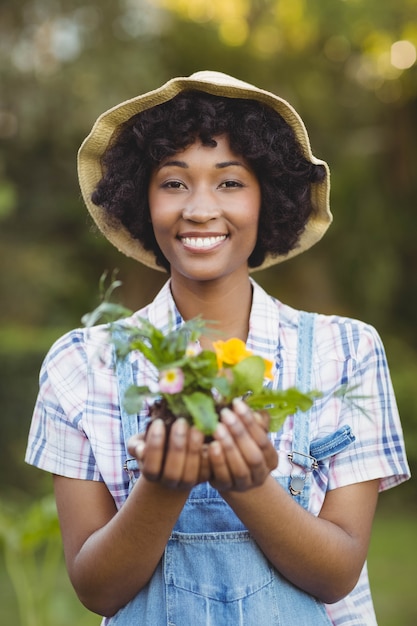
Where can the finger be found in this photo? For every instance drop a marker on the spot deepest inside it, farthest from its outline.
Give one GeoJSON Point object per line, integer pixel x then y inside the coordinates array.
{"type": "Point", "coordinates": [176, 453]}
{"type": "Point", "coordinates": [263, 418]}
{"type": "Point", "coordinates": [248, 448]}
{"type": "Point", "coordinates": [254, 421]}
{"type": "Point", "coordinates": [191, 469]}
{"type": "Point", "coordinates": [221, 478]}
{"type": "Point", "coordinates": [136, 446]}
{"type": "Point", "coordinates": [257, 432]}
{"type": "Point", "coordinates": [153, 455]}
{"type": "Point", "coordinates": [232, 458]}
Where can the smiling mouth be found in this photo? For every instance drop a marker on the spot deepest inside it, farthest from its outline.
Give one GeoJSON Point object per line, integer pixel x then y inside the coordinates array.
{"type": "Point", "coordinates": [200, 243]}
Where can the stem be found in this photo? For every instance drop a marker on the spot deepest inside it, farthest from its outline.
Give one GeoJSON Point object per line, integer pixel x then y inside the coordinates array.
{"type": "Point", "coordinates": [17, 571]}
{"type": "Point", "coordinates": [48, 570]}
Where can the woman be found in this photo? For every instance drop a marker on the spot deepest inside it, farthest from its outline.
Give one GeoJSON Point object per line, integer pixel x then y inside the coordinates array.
{"type": "Point", "coordinates": [210, 178]}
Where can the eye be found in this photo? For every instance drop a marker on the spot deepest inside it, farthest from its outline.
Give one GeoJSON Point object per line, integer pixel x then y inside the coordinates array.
{"type": "Point", "coordinates": [230, 184]}
{"type": "Point", "coordinates": [173, 184]}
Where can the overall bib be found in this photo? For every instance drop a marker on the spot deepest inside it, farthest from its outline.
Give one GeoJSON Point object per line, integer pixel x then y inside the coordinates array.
{"type": "Point", "coordinates": [212, 572]}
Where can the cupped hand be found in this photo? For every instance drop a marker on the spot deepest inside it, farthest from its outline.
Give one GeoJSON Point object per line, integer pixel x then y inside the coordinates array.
{"type": "Point", "coordinates": [176, 459]}
{"type": "Point", "coordinates": [241, 455]}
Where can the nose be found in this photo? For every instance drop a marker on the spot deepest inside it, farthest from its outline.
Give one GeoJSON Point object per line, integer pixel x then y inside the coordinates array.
{"type": "Point", "coordinates": [201, 206]}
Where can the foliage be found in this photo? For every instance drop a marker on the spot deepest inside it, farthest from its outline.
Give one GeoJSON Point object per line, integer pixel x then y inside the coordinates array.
{"type": "Point", "coordinates": [392, 571]}
{"type": "Point", "coordinates": [192, 382]}
{"type": "Point", "coordinates": [392, 564]}
{"type": "Point", "coordinates": [31, 541]}
{"type": "Point", "coordinates": [63, 63]}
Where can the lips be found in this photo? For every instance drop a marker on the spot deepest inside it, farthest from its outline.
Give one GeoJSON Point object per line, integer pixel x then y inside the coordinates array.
{"type": "Point", "coordinates": [202, 243]}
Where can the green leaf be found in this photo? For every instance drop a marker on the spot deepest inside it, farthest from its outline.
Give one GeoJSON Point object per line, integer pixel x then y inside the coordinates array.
{"type": "Point", "coordinates": [248, 375]}
{"type": "Point", "coordinates": [107, 292]}
{"type": "Point", "coordinates": [150, 353]}
{"type": "Point", "coordinates": [280, 404]}
{"type": "Point", "coordinates": [134, 398]}
{"type": "Point", "coordinates": [276, 422]}
{"type": "Point", "coordinates": [223, 387]}
{"type": "Point", "coordinates": [202, 410]}
{"type": "Point", "coordinates": [354, 401]}
{"type": "Point", "coordinates": [105, 313]}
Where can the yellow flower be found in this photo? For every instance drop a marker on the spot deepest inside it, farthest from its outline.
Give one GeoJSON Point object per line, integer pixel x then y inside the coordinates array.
{"type": "Point", "coordinates": [268, 369]}
{"type": "Point", "coordinates": [233, 351]}
{"type": "Point", "coordinates": [230, 352]}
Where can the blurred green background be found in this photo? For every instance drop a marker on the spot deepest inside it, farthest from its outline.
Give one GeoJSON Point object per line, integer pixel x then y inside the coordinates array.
{"type": "Point", "coordinates": [349, 67]}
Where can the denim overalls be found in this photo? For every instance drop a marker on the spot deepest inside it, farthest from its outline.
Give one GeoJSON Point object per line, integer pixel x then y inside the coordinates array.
{"type": "Point", "coordinates": [212, 572]}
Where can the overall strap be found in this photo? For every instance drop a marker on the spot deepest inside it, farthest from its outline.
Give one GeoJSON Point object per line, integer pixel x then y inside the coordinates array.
{"type": "Point", "coordinates": [124, 373]}
{"type": "Point", "coordinates": [303, 463]}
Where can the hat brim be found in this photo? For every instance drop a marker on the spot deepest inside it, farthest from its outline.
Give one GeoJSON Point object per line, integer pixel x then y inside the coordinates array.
{"type": "Point", "coordinates": [215, 83]}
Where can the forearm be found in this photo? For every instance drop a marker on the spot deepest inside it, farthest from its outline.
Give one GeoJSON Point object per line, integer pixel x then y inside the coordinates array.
{"type": "Point", "coordinates": [318, 555]}
{"type": "Point", "coordinates": [118, 559]}
{"type": "Point", "coordinates": [112, 554]}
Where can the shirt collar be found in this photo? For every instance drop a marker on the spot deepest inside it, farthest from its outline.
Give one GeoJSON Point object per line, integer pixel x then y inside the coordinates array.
{"type": "Point", "coordinates": [263, 324]}
{"type": "Point", "coordinates": [162, 312]}
{"type": "Point", "coordinates": [263, 321]}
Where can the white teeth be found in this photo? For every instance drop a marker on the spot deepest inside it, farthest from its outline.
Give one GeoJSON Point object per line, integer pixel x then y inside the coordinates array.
{"type": "Point", "coordinates": [202, 242]}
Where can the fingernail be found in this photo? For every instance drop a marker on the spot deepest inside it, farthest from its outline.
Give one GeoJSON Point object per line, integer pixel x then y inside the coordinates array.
{"type": "Point", "coordinates": [239, 405]}
{"type": "Point", "coordinates": [215, 448]}
{"type": "Point", "coordinates": [258, 417]}
{"type": "Point", "coordinates": [179, 429]}
{"type": "Point", "coordinates": [221, 431]}
{"type": "Point", "coordinates": [157, 427]}
{"type": "Point", "coordinates": [181, 423]}
{"type": "Point", "coordinates": [139, 448]}
{"type": "Point", "coordinates": [228, 417]}
{"type": "Point", "coordinates": [196, 435]}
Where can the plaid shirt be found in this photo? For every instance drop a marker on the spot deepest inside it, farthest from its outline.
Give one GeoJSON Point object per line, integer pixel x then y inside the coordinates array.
{"type": "Point", "coordinates": [76, 427]}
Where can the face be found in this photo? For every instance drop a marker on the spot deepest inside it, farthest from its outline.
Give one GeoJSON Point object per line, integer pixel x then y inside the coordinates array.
{"type": "Point", "coordinates": [204, 205]}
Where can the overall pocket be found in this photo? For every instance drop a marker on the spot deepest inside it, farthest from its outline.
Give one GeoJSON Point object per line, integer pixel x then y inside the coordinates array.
{"type": "Point", "coordinates": [222, 579]}
{"type": "Point", "coordinates": [217, 579]}
{"type": "Point", "coordinates": [221, 566]}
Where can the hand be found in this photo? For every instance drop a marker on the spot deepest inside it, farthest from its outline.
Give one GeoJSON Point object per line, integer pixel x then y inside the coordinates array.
{"type": "Point", "coordinates": [241, 456]}
{"type": "Point", "coordinates": [176, 460]}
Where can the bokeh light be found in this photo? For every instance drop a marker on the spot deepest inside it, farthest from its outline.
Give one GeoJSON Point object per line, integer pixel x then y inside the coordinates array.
{"type": "Point", "coordinates": [403, 54]}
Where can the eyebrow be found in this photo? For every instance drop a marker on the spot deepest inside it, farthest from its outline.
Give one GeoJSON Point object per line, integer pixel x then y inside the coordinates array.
{"type": "Point", "coordinates": [182, 164]}
{"type": "Point", "coordinates": [219, 166]}
{"type": "Point", "coordinates": [230, 164]}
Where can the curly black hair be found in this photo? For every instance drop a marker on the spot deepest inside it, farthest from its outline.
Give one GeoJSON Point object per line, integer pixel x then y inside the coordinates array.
{"type": "Point", "coordinates": [255, 131]}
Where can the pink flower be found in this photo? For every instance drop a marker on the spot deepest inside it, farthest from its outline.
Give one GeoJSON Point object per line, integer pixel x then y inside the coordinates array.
{"type": "Point", "coordinates": [171, 380]}
{"type": "Point", "coordinates": [193, 349]}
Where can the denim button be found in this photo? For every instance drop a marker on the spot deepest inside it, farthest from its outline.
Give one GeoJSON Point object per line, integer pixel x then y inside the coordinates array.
{"type": "Point", "coordinates": [297, 485]}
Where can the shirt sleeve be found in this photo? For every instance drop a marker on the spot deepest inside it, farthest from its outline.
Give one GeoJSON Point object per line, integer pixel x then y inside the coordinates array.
{"type": "Point", "coordinates": [57, 442]}
{"type": "Point", "coordinates": [370, 408]}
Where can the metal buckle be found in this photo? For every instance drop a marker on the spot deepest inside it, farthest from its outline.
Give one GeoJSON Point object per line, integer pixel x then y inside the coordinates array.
{"type": "Point", "coordinates": [314, 464]}
{"type": "Point", "coordinates": [297, 481]}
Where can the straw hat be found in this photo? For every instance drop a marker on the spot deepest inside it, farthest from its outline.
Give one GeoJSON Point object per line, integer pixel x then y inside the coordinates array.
{"type": "Point", "coordinates": [216, 83]}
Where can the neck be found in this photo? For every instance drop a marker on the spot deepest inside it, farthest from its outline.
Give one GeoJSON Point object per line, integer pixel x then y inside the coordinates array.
{"type": "Point", "coordinates": [227, 303]}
